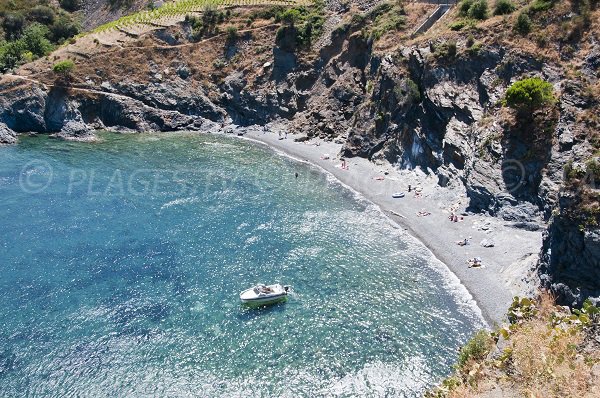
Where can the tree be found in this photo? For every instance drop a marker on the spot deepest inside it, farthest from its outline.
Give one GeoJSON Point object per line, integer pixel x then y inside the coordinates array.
{"type": "Point", "coordinates": [291, 17]}
{"type": "Point", "coordinates": [35, 41]}
{"type": "Point", "coordinates": [530, 94]}
{"type": "Point", "coordinates": [13, 25]}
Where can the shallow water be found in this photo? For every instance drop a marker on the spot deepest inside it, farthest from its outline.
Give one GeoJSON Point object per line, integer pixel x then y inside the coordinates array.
{"type": "Point", "coordinates": [122, 262]}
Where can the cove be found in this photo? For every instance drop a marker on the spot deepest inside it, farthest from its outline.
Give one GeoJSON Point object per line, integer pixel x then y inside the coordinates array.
{"type": "Point", "coordinates": [122, 262]}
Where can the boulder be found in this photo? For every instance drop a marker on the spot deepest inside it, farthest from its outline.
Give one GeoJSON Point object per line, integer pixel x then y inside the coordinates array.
{"type": "Point", "coordinates": [7, 136]}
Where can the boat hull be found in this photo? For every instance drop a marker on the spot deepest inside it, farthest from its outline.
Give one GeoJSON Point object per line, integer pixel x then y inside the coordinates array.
{"type": "Point", "coordinates": [264, 295]}
{"type": "Point", "coordinates": [265, 301]}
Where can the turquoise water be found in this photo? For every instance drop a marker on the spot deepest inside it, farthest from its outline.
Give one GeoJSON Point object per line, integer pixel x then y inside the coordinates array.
{"type": "Point", "coordinates": [121, 264]}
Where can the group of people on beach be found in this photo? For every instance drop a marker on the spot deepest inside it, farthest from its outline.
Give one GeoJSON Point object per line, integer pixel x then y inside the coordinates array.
{"type": "Point", "coordinates": [454, 218]}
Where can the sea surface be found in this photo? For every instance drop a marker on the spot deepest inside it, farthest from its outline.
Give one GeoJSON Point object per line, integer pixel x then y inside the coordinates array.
{"type": "Point", "coordinates": [121, 263]}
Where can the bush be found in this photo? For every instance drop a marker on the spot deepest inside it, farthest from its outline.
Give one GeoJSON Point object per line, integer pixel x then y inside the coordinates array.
{"type": "Point", "coordinates": [541, 5]}
{"type": "Point", "coordinates": [290, 17]}
{"type": "Point", "coordinates": [464, 6]}
{"type": "Point", "coordinates": [474, 49]}
{"type": "Point", "coordinates": [528, 95]}
{"type": "Point", "coordinates": [476, 349]}
{"type": "Point", "coordinates": [523, 24]}
{"type": "Point", "coordinates": [458, 25]}
{"type": "Point", "coordinates": [63, 29]}
{"type": "Point", "coordinates": [470, 41]}
{"type": "Point", "coordinates": [232, 34]}
{"type": "Point", "coordinates": [503, 7]}
{"type": "Point", "coordinates": [10, 55]}
{"type": "Point", "coordinates": [63, 68]}
{"type": "Point", "coordinates": [42, 14]}
{"type": "Point", "coordinates": [12, 25]}
{"type": "Point", "coordinates": [32, 44]}
{"type": "Point", "coordinates": [479, 10]}
{"type": "Point", "coordinates": [70, 5]}
{"type": "Point", "coordinates": [35, 41]}
{"type": "Point", "coordinates": [446, 50]}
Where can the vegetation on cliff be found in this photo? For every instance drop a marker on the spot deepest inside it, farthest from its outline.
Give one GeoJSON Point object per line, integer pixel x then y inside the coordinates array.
{"type": "Point", "coordinates": [546, 351]}
{"type": "Point", "coordinates": [31, 30]}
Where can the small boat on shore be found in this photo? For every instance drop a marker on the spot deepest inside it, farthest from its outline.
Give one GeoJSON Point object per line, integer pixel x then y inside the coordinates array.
{"type": "Point", "coordinates": [264, 294]}
{"type": "Point", "coordinates": [398, 195]}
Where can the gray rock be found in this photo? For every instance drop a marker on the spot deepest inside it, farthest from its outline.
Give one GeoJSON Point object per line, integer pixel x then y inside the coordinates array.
{"type": "Point", "coordinates": [487, 243]}
{"type": "Point", "coordinates": [7, 136]}
{"type": "Point", "coordinates": [76, 128]}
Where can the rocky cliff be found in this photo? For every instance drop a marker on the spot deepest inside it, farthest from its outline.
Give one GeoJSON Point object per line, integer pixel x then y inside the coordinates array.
{"type": "Point", "coordinates": [433, 103]}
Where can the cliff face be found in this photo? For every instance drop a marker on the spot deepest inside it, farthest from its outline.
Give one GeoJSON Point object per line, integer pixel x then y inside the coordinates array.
{"type": "Point", "coordinates": [417, 106]}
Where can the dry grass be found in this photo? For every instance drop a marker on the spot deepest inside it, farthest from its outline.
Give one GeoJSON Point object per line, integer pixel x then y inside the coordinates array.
{"type": "Point", "coordinates": [551, 36]}
{"type": "Point", "coordinates": [542, 358]}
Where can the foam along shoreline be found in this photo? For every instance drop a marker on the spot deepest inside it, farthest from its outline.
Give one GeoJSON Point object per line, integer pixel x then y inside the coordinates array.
{"type": "Point", "coordinates": [506, 265]}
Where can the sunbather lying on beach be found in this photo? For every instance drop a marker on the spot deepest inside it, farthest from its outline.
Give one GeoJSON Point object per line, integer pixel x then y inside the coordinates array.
{"type": "Point", "coordinates": [474, 262]}
{"type": "Point", "coordinates": [463, 242]}
{"type": "Point", "coordinates": [423, 213]}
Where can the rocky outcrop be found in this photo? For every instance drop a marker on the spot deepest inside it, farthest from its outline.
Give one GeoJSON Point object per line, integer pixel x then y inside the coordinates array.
{"type": "Point", "coordinates": [570, 265]}
{"type": "Point", "coordinates": [7, 136]}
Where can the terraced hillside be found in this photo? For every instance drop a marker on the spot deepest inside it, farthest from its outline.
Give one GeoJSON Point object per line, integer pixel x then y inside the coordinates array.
{"type": "Point", "coordinates": [175, 11]}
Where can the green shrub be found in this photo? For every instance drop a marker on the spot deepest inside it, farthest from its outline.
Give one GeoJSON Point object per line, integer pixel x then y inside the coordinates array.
{"type": "Point", "coordinates": [479, 10]}
{"type": "Point", "coordinates": [523, 24]}
{"type": "Point", "coordinates": [446, 50]}
{"type": "Point", "coordinates": [464, 6]}
{"type": "Point", "coordinates": [70, 5]}
{"type": "Point", "coordinates": [12, 25]}
{"type": "Point", "coordinates": [35, 41]}
{"type": "Point", "coordinates": [470, 41]}
{"type": "Point", "coordinates": [474, 49]}
{"type": "Point", "coordinates": [458, 25]}
{"type": "Point", "coordinates": [63, 29]}
{"type": "Point", "coordinates": [541, 6]}
{"type": "Point", "coordinates": [63, 68]}
{"type": "Point", "coordinates": [291, 17]}
{"type": "Point", "coordinates": [42, 14]}
{"type": "Point", "coordinates": [358, 20]}
{"type": "Point", "coordinates": [503, 7]}
{"type": "Point", "coordinates": [408, 91]}
{"type": "Point", "coordinates": [11, 54]}
{"type": "Point", "coordinates": [476, 349]}
{"type": "Point", "coordinates": [219, 63]}
{"type": "Point", "coordinates": [529, 94]}
{"type": "Point", "coordinates": [232, 33]}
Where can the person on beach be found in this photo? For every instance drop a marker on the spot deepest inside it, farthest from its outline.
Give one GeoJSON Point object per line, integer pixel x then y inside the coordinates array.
{"type": "Point", "coordinates": [409, 187]}
{"type": "Point", "coordinates": [344, 166]}
{"type": "Point", "coordinates": [296, 174]}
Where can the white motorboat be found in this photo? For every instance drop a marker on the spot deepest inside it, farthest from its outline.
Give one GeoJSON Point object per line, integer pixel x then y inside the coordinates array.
{"type": "Point", "coordinates": [398, 195]}
{"type": "Point", "coordinates": [264, 294]}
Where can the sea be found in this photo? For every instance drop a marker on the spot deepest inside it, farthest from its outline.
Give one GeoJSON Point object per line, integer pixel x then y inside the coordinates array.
{"type": "Point", "coordinates": [122, 260]}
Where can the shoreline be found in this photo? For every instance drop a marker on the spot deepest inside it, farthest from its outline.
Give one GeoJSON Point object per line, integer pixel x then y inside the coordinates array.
{"type": "Point", "coordinates": [506, 265]}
